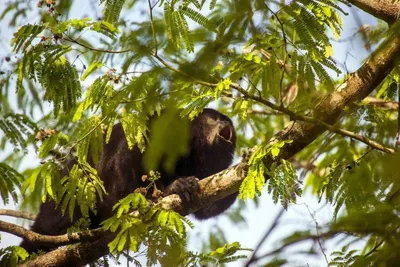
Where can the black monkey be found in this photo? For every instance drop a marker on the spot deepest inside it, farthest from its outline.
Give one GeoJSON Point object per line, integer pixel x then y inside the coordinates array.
{"type": "Point", "coordinates": [212, 143]}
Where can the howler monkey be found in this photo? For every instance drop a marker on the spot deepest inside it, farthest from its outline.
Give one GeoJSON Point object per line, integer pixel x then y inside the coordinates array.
{"type": "Point", "coordinates": [211, 146]}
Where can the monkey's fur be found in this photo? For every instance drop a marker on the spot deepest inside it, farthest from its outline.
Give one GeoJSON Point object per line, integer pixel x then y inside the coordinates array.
{"type": "Point", "coordinates": [212, 142]}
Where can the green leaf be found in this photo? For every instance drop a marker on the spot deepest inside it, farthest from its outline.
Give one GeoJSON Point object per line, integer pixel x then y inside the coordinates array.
{"type": "Point", "coordinates": [25, 35]}
{"type": "Point", "coordinates": [93, 67]}
{"type": "Point", "coordinates": [135, 129]}
{"type": "Point", "coordinates": [48, 146]}
{"type": "Point", "coordinates": [112, 10]}
{"type": "Point", "coordinates": [167, 145]}
{"type": "Point", "coordinates": [10, 180]}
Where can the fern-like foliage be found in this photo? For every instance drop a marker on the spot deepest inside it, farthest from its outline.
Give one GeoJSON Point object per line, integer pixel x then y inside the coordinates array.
{"type": "Point", "coordinates": [270, 78]}
{"type": "Point", "coordinates": [52, 143]}
{"type": "Point", "coordinates": [226, 253]}
{"type": "Point", "coordinates": [198, 18]}
{"type": "Point", "coordinates": [81, 187]}
{"type": "Point", "coordinates": [177, 26]}
{"type": "Point", "coordinates": [12, 255]}
{"type": "Point", "coordinates": [344, 257]}
{"type": "Point", "coordinates": [162, 231]}
{"type": "Point", "coordinates": [47, 174]}
{"type": "Point", "coordinates": [255, 179]}
{"type": "Point", "coordinates": [164, 149]}
{"type": "Point", "coordinates": [98, 95]}
{"type": "Point", "coordinates": [58, 77]}
{"type": "Point", "coordinates": [199, 99]}
{"type": "Point", "coordinates": [309, 21]}
{"type": "Point", "coordinates": [212, 4]}
{"type": "Point", "coordinates": [61, 82]}
{"type": "Point", "coordinates": [335, 171]}
{"type": "Point", "coordinates": [25, 35]}
{"type": "Point", "coordinates": [112, 10]}
{"type": "Point", "coordinates": [135, 128]}
{"type": "Point", "coordinates": [90, 141]}
{"type": "Point", "coordinates": [223, 254]}
{"type": "Point", "coordinates": [10, 180]}
{"type": "Point", "coordinates": [105, 28]}
{"type": "Point", "coordinates": [45, 61]}
{"type": "Point", "coordinates": [18, 129]}
{"type": "Point", "coordinates": [284, 185]}
{"type": "Point", "coordinates": [283, 181]}
{"type": "Point", "coordinates": [276, 51]}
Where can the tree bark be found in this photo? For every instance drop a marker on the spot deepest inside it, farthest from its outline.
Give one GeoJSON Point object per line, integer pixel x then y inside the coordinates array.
{"type": "Point", "coordinates": [359, 85]}
{"type": "Point", "coordinates": [386, 10]}
{"type": "Point", "coordinates": [79, 255]}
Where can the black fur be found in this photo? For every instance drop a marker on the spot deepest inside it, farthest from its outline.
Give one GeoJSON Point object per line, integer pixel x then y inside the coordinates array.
{"type": "Point", "coordinates": [211, 150]}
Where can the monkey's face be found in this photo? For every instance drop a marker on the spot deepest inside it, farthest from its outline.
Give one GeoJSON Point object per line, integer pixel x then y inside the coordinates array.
{"type": "Point", "coordinates": [215, 129]}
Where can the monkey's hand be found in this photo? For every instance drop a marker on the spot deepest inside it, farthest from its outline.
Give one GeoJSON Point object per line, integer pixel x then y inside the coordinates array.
{"type": "Point", "coordinates": [187, 188]}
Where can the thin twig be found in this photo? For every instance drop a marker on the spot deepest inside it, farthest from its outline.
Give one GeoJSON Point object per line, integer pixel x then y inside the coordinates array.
{"type": "Point", "coordinates": [152, 28]}
{"type": "Point", "coordinates": [284, 51]}
{"type": "Point", "coordinates": [274, 224]}
{"type": "Point", "coordinates": [318, 231]}
{"type": "Point", "coordinates": [293, 115]}
{"type": "Point", "coordinates": [384, 104]}
{"type": "Point", "coordinates": [91, 131]}
{"type": "Point", "coordinates": [375, 248]}
{"type": "Point", "coordinates": [96, 49]}
{"type": "Point", "coordinates": [296, 240]}
{"type": "Point", "coordinates": [260, 99]}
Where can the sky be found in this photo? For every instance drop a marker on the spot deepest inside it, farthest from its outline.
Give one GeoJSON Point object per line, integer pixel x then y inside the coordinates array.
{"type": "Point", "coordinates": [300, 216]}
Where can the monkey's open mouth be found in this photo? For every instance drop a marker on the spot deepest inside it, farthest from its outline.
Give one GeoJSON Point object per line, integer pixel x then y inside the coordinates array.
{"type": "Point", "coordinates": [226, 133]}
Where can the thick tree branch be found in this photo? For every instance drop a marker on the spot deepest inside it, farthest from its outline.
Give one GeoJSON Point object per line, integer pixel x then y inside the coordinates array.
{"type": "Point", "coordinates": [47, 239]}
{"type": "Point", "coordinates": [213, 188]}
{"type": "Point", "coordinates": [73, 256]}
{"type": "Point", "coordinates": [293, 115]}
{"type": "Point", "coordinates": [387, 10]}
{"type": "Point", "coordinates": [359, 85]}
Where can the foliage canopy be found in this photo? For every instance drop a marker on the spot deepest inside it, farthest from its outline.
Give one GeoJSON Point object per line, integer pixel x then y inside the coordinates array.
{"type": "Point", "coordinates": [259, 62]}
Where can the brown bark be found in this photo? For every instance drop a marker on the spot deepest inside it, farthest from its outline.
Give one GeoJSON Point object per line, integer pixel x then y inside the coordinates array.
{"type": "Point", "coordinates": [359, 85]}
{"type": "Point", "coordinates": [46, 239]}
{"type": "Point", "coordinates": [389, 105]}
{"type": "Point", "coordinates": [386, 10]}
{"type": "Point", "coordinates": [74, 256]}
{"type": "Point", "coordinates": [18, 214]}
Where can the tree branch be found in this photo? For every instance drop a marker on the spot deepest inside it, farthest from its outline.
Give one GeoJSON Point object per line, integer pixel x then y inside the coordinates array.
{"type": "Point", "coordinates": [386, 10]}
{"type": "Point", "coordinates": [359, 85]}
{"type": "Point", "coordinates": [271, 228]}
{"type": "Point", "coordinates": [74, 256]}
{"type": "Point", "coordinates": [47, 239]}
{"type": "Point", "coordinates": [295, 241]}
{"type": "Point", "coordinates": [389, 105]}
{"type": "Point", "coordinates": [18, 214]}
